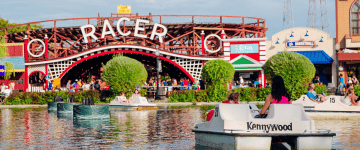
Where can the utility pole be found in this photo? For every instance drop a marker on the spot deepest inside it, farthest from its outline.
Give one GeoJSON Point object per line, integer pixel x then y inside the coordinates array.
{"type": "Point", "coordinates": [288, 19]}
{"type": "Point", "coordinates": [317, 15]}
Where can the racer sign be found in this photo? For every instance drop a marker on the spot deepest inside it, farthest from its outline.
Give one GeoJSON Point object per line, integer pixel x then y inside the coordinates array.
{"type": "Point", "coordinates": [124, 9]}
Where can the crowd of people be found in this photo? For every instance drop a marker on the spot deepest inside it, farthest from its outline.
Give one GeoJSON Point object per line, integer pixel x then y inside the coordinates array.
{"type": "Point", "coordinates": [77, 85]}
{"type": "Point", "coordinates": [172, 84]}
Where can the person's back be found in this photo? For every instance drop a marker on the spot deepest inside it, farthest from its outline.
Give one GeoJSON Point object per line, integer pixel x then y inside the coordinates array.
{"type": "Point", "coordinates": [310, 94]}
{"type": "Point", "coordinates": [284, 100]}
{"type": "Point", "coordinates": [256, 83]}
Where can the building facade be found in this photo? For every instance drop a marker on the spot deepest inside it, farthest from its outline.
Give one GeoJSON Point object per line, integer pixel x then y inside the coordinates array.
{"type": "Point", "coordinates": [348, 37]}
{"type": "Point", "coordinates": [248, 56]}
{"type": "Point", "coordinates": [314, 44]}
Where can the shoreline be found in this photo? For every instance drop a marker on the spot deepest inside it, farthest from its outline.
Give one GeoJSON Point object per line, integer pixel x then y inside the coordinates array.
{"type": "Point", "coordinates": [157, 104]}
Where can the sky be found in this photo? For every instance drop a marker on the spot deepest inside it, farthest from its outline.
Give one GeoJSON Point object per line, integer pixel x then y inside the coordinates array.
{"type": "Point", "coordinates": [23, 11]}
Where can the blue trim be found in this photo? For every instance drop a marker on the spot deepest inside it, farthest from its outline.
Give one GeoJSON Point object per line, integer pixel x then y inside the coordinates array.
{"type": "Point", "coordinates": [316, 57]}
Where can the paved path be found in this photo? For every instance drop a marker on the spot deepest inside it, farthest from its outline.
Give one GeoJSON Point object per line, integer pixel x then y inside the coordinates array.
{"type": "Point", "coordinates": [158, 104]}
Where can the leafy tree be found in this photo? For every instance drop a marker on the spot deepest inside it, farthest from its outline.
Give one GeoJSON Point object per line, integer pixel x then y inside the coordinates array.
{"type": "Point", "coordinates": [6, 23]}
{"type": "Point", "coordinates": [217, 74]}
{"type": "Point", "coordinates": [124, 74]}
{"type": "Point", "coordinates": [296, 70]}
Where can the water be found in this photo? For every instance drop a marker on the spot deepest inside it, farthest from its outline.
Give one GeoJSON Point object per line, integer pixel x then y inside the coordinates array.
{"type": "Point", "coordinates": [168, 128]}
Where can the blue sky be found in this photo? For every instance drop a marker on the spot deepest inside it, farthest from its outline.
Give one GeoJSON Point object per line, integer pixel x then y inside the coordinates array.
{"type": "Point", "coordinates": [22, 11]}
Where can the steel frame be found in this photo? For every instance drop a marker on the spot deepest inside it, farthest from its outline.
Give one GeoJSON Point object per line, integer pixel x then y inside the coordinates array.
{"type": "Point", "coordinates": [182, 38]}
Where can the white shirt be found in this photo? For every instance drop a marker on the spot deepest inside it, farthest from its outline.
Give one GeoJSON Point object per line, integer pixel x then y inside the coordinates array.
{"type": "Point", "coordinates": [86, 87]}
{"type": "Point", "coordinates": [350, 81]}
{"type": "Point", "coordinates": [7, 92]}
{"type": "Point", "coordinates": [241, 80]}
{"type": "Point", "coordinates": [3, 88]}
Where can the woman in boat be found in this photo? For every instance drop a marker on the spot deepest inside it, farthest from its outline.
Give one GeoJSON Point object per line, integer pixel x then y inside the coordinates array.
{"type": "Point", "coordinates": [354, 99]}
{"type": "Point", "coordinates": [233, 98]}
{"type": "Point", "coordinates": [122, 98]}
{"type": "Point", "coordinates": [136, 94]}
{"type": "Point", "coordinates": [278, 95]}
{"type": "Point", "coordinates": [349, 96]}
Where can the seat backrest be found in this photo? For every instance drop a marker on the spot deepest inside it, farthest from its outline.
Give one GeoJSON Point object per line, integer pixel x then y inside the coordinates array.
{"type": "Point", "coordinates": [139, 100]}
{"type": "Point", "coordinates": [288, 112]}
{"type": "Point", "coordinates": [305, 101]}
{"type": "Point", "coordinates": [236, 112]}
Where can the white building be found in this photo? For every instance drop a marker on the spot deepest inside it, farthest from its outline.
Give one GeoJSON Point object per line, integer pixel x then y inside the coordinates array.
{"type": "Point", "coordinates": [312, 43]}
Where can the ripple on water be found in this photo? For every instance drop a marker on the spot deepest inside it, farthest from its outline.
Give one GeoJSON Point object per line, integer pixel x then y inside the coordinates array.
{"type": "Point", "coordinates": [166, 128]}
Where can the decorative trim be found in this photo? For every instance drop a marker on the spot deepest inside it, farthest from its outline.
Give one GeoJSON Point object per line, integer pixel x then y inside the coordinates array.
{"type": "Point", "coordinates": [246, 57]}
{"type": "Point", "coordinates": [120, 46]}
{"type": "Point", "coordinates": [262, 43]}
{"type": "Point", "coordinates": [226, 49]}
{"type": "Point", "coordinates": [226, 44]}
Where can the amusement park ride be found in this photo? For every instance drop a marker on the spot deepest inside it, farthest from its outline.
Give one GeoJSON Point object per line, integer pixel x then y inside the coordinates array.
{"type": "Point", "coordinates": [181, 44]}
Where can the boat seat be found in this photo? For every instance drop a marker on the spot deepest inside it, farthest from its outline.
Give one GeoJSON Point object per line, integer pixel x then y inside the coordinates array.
{"type": "Point", "coordinates": [140, 100]}
{"type": "Point", "coordinates": [334, 104]}
{"type": "Point", "coordinates": [305, 101]}
{"type": "Point", "coordinates": [287, 112]}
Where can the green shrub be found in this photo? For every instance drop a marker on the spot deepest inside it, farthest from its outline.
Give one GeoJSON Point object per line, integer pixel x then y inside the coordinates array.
{"type": "Point", "coordinates": [217, 74]}
{"type": "Point", "coordinates": [296, 70]}
{"type": "Point", "coordinates": [124, 74]}
{"type": "Point", "coordinates": [320, 88]}
{"type": "Point", "coordinates": [43, 98]}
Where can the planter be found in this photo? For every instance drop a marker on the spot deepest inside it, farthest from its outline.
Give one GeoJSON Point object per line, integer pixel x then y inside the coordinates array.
{"type": "Point", "coordinates": [91, 111]}
{"type": "Point", "coordinates": [65, 110]}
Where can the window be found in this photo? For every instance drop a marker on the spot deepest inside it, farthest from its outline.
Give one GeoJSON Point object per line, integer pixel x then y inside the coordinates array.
{"type": "Point", "coordinates": [355, 20]}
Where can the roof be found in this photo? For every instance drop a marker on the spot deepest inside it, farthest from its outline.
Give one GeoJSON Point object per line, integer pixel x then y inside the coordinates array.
{"type": "Point", "coordinates": [316, 57]}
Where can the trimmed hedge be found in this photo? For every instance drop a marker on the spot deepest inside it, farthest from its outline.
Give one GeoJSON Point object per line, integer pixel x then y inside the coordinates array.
{"type": "Point", "coordinates": [246, 94]}
{"type": "Point", "coordinates": [43, 98]}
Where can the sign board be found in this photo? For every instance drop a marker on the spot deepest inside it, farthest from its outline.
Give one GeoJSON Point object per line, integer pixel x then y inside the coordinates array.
{"type": "Point", "coordinates": [124, 9]}
{"type": "Point", "coordinates": [160, 66]}
{"type": "Point", "coordinates": [297, 44]}
{"type": "Point", "coordinates": [244, 75]}
{"type": "Point", "coordinates": [244, 48]}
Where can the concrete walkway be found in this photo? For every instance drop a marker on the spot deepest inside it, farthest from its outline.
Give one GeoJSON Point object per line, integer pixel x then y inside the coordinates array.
{"type": "Point", "coordinates": [157, 104]}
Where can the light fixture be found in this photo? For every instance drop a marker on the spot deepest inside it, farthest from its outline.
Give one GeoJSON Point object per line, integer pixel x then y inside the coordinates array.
{"type": "Point", "coordinates": [321, 40]}
{"type": "Point", "coordinates": [306, 33]}
{"type": "Point", "coordinates": [157, 53]}
{"type": "Point", "coordinates": [292, 34]}
{"type": "Point", "coordinates": [277, 42]}
{"type": "Point", "coordinates": [341, 68]}
{"type": "Point", "coordinates": [337, 47]}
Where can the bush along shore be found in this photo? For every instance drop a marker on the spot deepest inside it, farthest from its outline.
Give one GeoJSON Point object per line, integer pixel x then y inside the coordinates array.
{"type": "Point", "coordinates": [246, 94]}
{"type": "Point", "coordinates": [22, 98]}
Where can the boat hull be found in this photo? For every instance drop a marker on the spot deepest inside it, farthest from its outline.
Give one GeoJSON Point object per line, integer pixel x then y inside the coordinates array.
{"type": "Point", "coordinates": [224, 140]}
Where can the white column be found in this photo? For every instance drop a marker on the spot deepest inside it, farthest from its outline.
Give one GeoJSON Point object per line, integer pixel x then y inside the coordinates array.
{"type": "Point", "coordinates": [262, 78]}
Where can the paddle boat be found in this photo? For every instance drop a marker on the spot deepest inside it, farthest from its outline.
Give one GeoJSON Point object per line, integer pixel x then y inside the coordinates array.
{"type": "Point", "coordinates": [336, 104]}
{"type": "Point", "coordinates": [138, 103]}
{"type": "Point", "coordinates": [234, 127]}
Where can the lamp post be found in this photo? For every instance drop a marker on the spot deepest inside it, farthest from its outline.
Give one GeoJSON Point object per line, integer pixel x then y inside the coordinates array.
{"type": "Point", "coordinates": [157, 53]}
{"type": "Point", "coordinates": [337, 48]}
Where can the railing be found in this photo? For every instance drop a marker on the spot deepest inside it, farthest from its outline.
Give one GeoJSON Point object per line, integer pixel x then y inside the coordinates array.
{"type": "Point", "coordinates": [36, 88]}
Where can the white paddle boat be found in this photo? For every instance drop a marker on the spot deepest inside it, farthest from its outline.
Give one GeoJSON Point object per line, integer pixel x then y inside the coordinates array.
{"type": "Point", "coordinates": [137, 102]}
{"type": "Point", "coordinates": [234, 127]}
{"type": "Point", "coordinates": [336, 104]}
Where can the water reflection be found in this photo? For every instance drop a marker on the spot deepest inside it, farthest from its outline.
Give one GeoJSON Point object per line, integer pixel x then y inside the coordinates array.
{"type": "Point", "coordinates": [166, 128]}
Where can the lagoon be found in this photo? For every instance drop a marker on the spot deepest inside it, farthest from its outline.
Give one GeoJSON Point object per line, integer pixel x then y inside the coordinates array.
{"type": "Point", "coordinates": [165, 128]}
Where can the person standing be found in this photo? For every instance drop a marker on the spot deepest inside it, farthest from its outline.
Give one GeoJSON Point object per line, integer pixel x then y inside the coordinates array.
{"type": "Point", "coordinates": [50, 87]}
{"type": "Point", "coordinates": [256, 83]}
{"type": "Point", "coordinates": [170, 88]}
{"type": "Point", "coordinates": [86, 86]}
{"type": "Point", "coordinates": [355, 80]}
{"type": "Point", "coordinates": [97, 86]}
{"type": "Point", "coordinates": [68, 85]}
{"type": "Point", "coordinates": [186, 83]}
{"type": "Point", "coordinates": [3, 87]}
{"type": "Point", "coordinates": [342, 84]}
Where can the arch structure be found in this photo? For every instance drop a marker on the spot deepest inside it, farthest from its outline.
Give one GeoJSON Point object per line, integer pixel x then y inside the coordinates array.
{"type": "Point", "coordinates": [191, 66]}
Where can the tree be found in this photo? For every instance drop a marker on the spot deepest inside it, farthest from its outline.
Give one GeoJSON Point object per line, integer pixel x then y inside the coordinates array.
{"type": "Point", "coordinates": [5, 23]}
{"type": "Point", "coordinates": [296, 70]}
{"type": "Point", "coordinates": [217, 74]}
{"type": "Point", "coordinates": [124, 74]}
